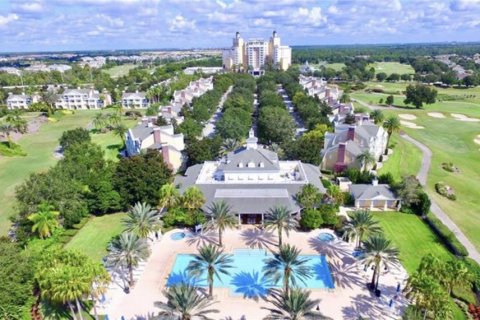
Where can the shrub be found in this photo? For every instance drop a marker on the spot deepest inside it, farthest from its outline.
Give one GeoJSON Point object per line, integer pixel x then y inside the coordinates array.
{"type": "Point", "coordinates": [174, 217]}
{"type": "Point", "coordinates": [311, 219]}
{"type": "Point", "coordinates": [422, 207]}
{"type": "Point", "coordinates": [13, 150]}
{"type": "Point", "coordinates": [386, 178]}
{"type": "Point", "coordinates": [446, 235]}
{"type": "Point", "coordinates": [445, 190]}
{"type": "Point", "coordinates": [329, 215]}
{"type": "Point", "coordinates": [348, 199]}
{"type": "Point", "coordinates": [474, 268]}
{"type": "Point", "coordinates": [448, 167]}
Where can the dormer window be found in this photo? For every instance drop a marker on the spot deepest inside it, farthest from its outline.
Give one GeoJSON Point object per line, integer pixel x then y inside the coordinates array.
{"type": "Point", "coordinates": [251, 164]}
{"type": "Point", "coordinates": [261, 165]}
{"type": "Point", "coordinates": [240, 164]}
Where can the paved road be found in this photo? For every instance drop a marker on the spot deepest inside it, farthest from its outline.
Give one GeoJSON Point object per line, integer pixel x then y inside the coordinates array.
{"type": "Point", "coordinates": [435, 208]}
{"type": "Point", "coordinates": [300, 126]}
{"type": "Point", "coordinates": [209, 129]}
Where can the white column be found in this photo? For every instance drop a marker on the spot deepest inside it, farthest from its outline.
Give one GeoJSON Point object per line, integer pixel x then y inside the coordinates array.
{"type": "Point", "coordinates": [239, 219]}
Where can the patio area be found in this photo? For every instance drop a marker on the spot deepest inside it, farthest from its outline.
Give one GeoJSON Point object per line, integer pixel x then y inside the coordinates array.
{"type": "Point", "coordinates": [348, 300]}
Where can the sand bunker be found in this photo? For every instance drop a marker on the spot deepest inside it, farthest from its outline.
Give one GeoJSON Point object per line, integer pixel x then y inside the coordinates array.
{"type": "Point", "coordinates": [436, 115]}
{"type": "Point", "coordinates": [410, 125]}
{"type": "Point", "coordinates": [407, 116]}
{"type": "Point", "coordinates": [462, 117]}
{"type": "Point", "coordinates": [477, 139]}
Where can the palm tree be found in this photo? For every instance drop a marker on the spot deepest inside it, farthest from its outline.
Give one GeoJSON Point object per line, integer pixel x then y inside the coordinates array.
{"type": "Point", "coordinates": [287, 264]}
{"type": "Point", "coordinates": [294, 305]}
{"type": "Point", "coordinates": [169, 197]}
{"type": "Point", "coordinates": [142, 220]}
{"type": "Point", "coordinates": [193, 199]}
{"type": "Point", "coordinates": [128, 250]}
{"type": "Point", "coordinates": [221, 218]}
{"type": "Point", "coordinates": [120, 131]}
{"type": "Point", "coordinates": [184, 302]}
{"type": "Point", "coordinates": [377, 116]}
{"type": "Point", "coordinates": [428, 295]}
{"type": "Point", "coordinates": [379, 253]}
{"type": "Point", "coordinates": [100, 279]}
{"type": "Point", "coordinates": [361, 224]}
{"type": "Point", "coordinates": [228, 145]}
{"type": "Point", "coordinates": [455, 274]}
{"type": "Point", "coordinates": [17, 123]}
{"type": "Point", "coordinates": [45, 220]}
{"type": "Point", "coordinates": [335, 194]}
{"type": "Point", "coordinates": [213, 261]}
{"type": "Point", "coordinates": [280, 218]}
{"type": "Point", "coordinates": [99, 121]}
{"type": "Point", "coordinates": [366, 159]}
{"type": "Point", "coordinates": [392, 124]}
{"type": "Point", "coordinates": [6, 129]}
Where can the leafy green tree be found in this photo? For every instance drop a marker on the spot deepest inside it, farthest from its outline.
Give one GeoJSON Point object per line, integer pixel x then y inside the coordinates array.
{"type": "Point", "coordinates": [16, 121]}
{"type": "Point", "coordinates": [311, 219]}
{"type": "Point", "coordinates": [74, 136]}
{"type": "Point", "coordinates": [288, 266]}
{"type": "Point", "coordinates": [275, 125]}
{"type": "Point", "coordinates": [329, 215]}
{"type": "Point", "coordinates": [212, 261]}
{"type": "Point", "coordinates": [293, 305]}
{"type": "Point", "coordinates": [377, 116]}
{"type": "Point", "coordinates": [199, 151]}
{"type": "Point", "coordinates": [280, 218]}
{"type": "Point", "coordinates": [389, 100]}
{"type": "Point", "coordinates": [366, 159]}
{"type": "Point", "coordinates": [419, 94]}
{"type": "Point", "coordinates": [138, 178]}
{"type": "Point", "coordinates": [234, 124]}
{"type": "Point", "coordinates": [392, 124]}
{"type": "Point", "coordinates": [49, 97]}
{"type": "Point", "coordinates": [184, 302]}
{"type": "Point", "coordinates": [193, 198]}
{"type": "Point", "coordinates": [380, 253]}
{"type": "Point", "coordinates": [309, 196]}
{"type": "Point", "coordinates": [381, 76]}
{"type": "Point", "coordinates": [221, 218]}
{"type": "Point", "coordinates": [7, 129]}
{"type": "Point", "coordinates": [142, 220]}
{"type": "Point", "coordinates": [169, 197]}
{"type": "Point", "coordinates": [361, 224]}
{"type": "Point", "coordinates": [409, 190]}
{"type": "Point", "coordinates": [16, 286]}
{"type": "Point", "coordinates": [335, 194]}
{"type": "Point", "coordinates": [128, 250]}
{"type": "Point", "coordinates": [190, 128]}
{"type": "Point", "coordinates": [45, 220]}
{"type": "Point", "coordinates": [120, 131]}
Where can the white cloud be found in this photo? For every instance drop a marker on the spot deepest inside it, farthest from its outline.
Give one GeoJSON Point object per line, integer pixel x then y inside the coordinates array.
{"type": "Point", "coordinates": [4, 20]}
{"type": "Point", "coordinates": [266, 23]}
{"type": "Point", "coordinates": [312, 17]}
{"type": "Point", "coordinates": [31, 7]}
{"type": "Point", "coordinates": [180, 23]}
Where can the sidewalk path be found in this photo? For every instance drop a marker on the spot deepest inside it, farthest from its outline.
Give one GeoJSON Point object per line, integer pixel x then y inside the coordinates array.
{"type": "Point", "coordinates": [435, 208]}
{"type": "Point", "coordinates": [209, 129]}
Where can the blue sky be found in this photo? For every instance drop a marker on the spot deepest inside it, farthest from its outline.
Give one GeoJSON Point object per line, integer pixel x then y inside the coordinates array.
{"type": "Point", "coordinates": [43, 25]}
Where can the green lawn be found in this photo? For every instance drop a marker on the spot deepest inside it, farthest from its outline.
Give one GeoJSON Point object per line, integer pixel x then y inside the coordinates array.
{"type": "Point", "coordinates": [119, 71]}
{"type": "Point", "coordinates": [335, 66]}
{"type": "Point", "coordinates": [111, 143]}
{"type": "Point", "coordinates": [39, 147]}
{"type": "Point", "coordinates": [391, 67]}
{"type": "Point", "coordinates": [412, 237]}
{"type": "Point", "coordinates": [405, 160]}
{"type": "Point", "coordinates": [93, 238]}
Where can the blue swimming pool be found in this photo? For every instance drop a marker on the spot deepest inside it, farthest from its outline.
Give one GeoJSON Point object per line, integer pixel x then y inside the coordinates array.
{"type": "Point", "coordinates": [177, 235]}
{"type": "Point", "coordinates": [246, 278]}
{"type": "Point", "coordinates": [326, 237]}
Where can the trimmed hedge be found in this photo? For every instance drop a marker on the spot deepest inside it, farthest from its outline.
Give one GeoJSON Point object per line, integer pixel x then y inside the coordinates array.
{"type": "Point", "coordinates": [446, 235]}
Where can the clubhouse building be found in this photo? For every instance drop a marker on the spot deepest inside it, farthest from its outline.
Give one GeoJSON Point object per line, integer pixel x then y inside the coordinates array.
{"type": "Point", "coordinates": [251, 180]}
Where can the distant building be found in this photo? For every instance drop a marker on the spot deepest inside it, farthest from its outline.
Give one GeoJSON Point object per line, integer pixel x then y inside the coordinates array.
{"type": "Point", "coordinates": [317, 87]}
{"type": "Point", "coordinates": [147, 135]}
{"type": "Point", "coordinates": [205, 70]}
{"type": "Point", "coordinates": [59, 67]}
{"type": "Point", "coordinates": [254, 54]}
{"type": "Point", "coordinates": [10, 70]}
{"type": "Point", "coordinates": [251, 180]}
{"type": "Point", "coordinates": [133, 100]}
{"type": "Point", "coordinates": [20, 101]}
{"type": "Point", "coordinates": [95, 62]}
{"type": "Point", "coordinates": [82, 99]}
{"type": "Point", "coordinates": [374, 196]}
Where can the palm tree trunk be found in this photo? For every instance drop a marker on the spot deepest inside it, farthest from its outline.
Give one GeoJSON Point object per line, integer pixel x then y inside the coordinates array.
{"type": "Point", "coordinates": [286, 281]}
{"type": "Point", "coordinates": [95, 313]}
{"type": "Point", "coordinates": [279, 237]}
{"type": "Point", "coordinates": [220, 238]}
{"type": "Point", "coordinates": [360, 236]}
{"type": "Point", "coordinates": [74, 316]}
{"type": "Point", "coordinates": [424, 313]}
{"type": "Point", "coordinates": [378, 279]}
{"type": "Point", "coordinates": [372, 283]}
{"type": "Point", "coordinates": [210, 283]}
{"type": "Point", "coordinates": [388, 142]}
{"type": "Point", "coordinates": [79, 308]}
{"type": "Point", "coordinates": [130, 271]}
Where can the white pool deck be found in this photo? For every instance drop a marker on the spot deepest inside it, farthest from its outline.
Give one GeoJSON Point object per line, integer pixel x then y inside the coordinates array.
{"type": "Point", "coordinates": [348, 300]}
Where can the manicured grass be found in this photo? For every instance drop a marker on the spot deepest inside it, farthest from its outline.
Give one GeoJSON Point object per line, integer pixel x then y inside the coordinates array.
{"type": "Point", "coordinates": [111, 143]}
{"type": "Point", "coordinates": [93, 238]}
{"type": "Point", "coordinates": [392, 67]}
{"type": "Point", "coordinates": [119, 71]}
{"type": "Point", "coordinates": [412, 237]}
{"type": "Point", "coordinates": [11, 149]}
{"type": "Point", "coordinates": [39, 147]}
{"type": "Point", "coordinates": [405, 160]}
{"type": "Point", "coordinates": [335, 66]}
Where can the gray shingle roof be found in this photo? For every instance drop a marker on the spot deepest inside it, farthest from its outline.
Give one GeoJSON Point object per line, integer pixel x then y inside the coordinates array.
{"type": "Point", "coordinates": [142, 131]}
{"type": "Point", "coordinates": [244, 156]}
{"type": "Point", "coordinates": [368, 192]}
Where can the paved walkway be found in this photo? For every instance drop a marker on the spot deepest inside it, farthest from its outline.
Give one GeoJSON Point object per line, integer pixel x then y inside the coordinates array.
{"type": "Point", "coordinates": [435, 208]}
{"type": "Point", "coordinates": [209, 129]}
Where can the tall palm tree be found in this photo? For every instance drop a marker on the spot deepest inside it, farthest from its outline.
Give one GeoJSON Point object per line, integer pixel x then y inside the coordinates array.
{"type": "Point", "coordinates": [228, 145]}
{"type": "Point", "coordinates": [169, 196]}
{"type": "Point", "coordinates": [45, 220]}
{"type": "Point", "coordinates": [221, 218]}
{"type": "Point", "coordinates": [100, 280]}
{"type": "Point", "coordinates": [455, 273]}
{"type": "Point", "coordinates": [335, 194]}
{"type": "Point", "coordinates": [213, 261]}
{"type": "Point", "coordinates": [99, 121]}
{"type": "Point", "coordinates": [6, 129]}
{"type": "Point", "coordinates": [120, 131]}
{"type": "Point", "coordinates": [366, 159]}
{"type": "Point", "coordinates": [380, 253]}
{"type": "Point", "coordinates": [280, 218]}
{"type": "Point", "coordinates": [184, 302]}
{"type": "Point", "coordinates": [361, 224]}
{"type": "Point", "coordinates": [392, 124]}
{"type": "Point", "coordinates": [287, 264]}
{"type": "Point", "coordinates": [128, 250]}
{"type": "Point", "coordinates": [193, 199]}
{"type": "Point", "coordinates": [295, 305]}
{"type": "Point", "coordinates": [142, 220]}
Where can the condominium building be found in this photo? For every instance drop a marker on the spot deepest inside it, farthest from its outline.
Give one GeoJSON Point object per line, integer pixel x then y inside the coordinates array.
{"type": "Point", "coordinates": [254, 54]}
{"type": "Point", "coordinates": [83, 99]}
{"type": "Point", "coordinates": [134, 100]}
{"type": "Point", "coordinates": [20, 101]}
